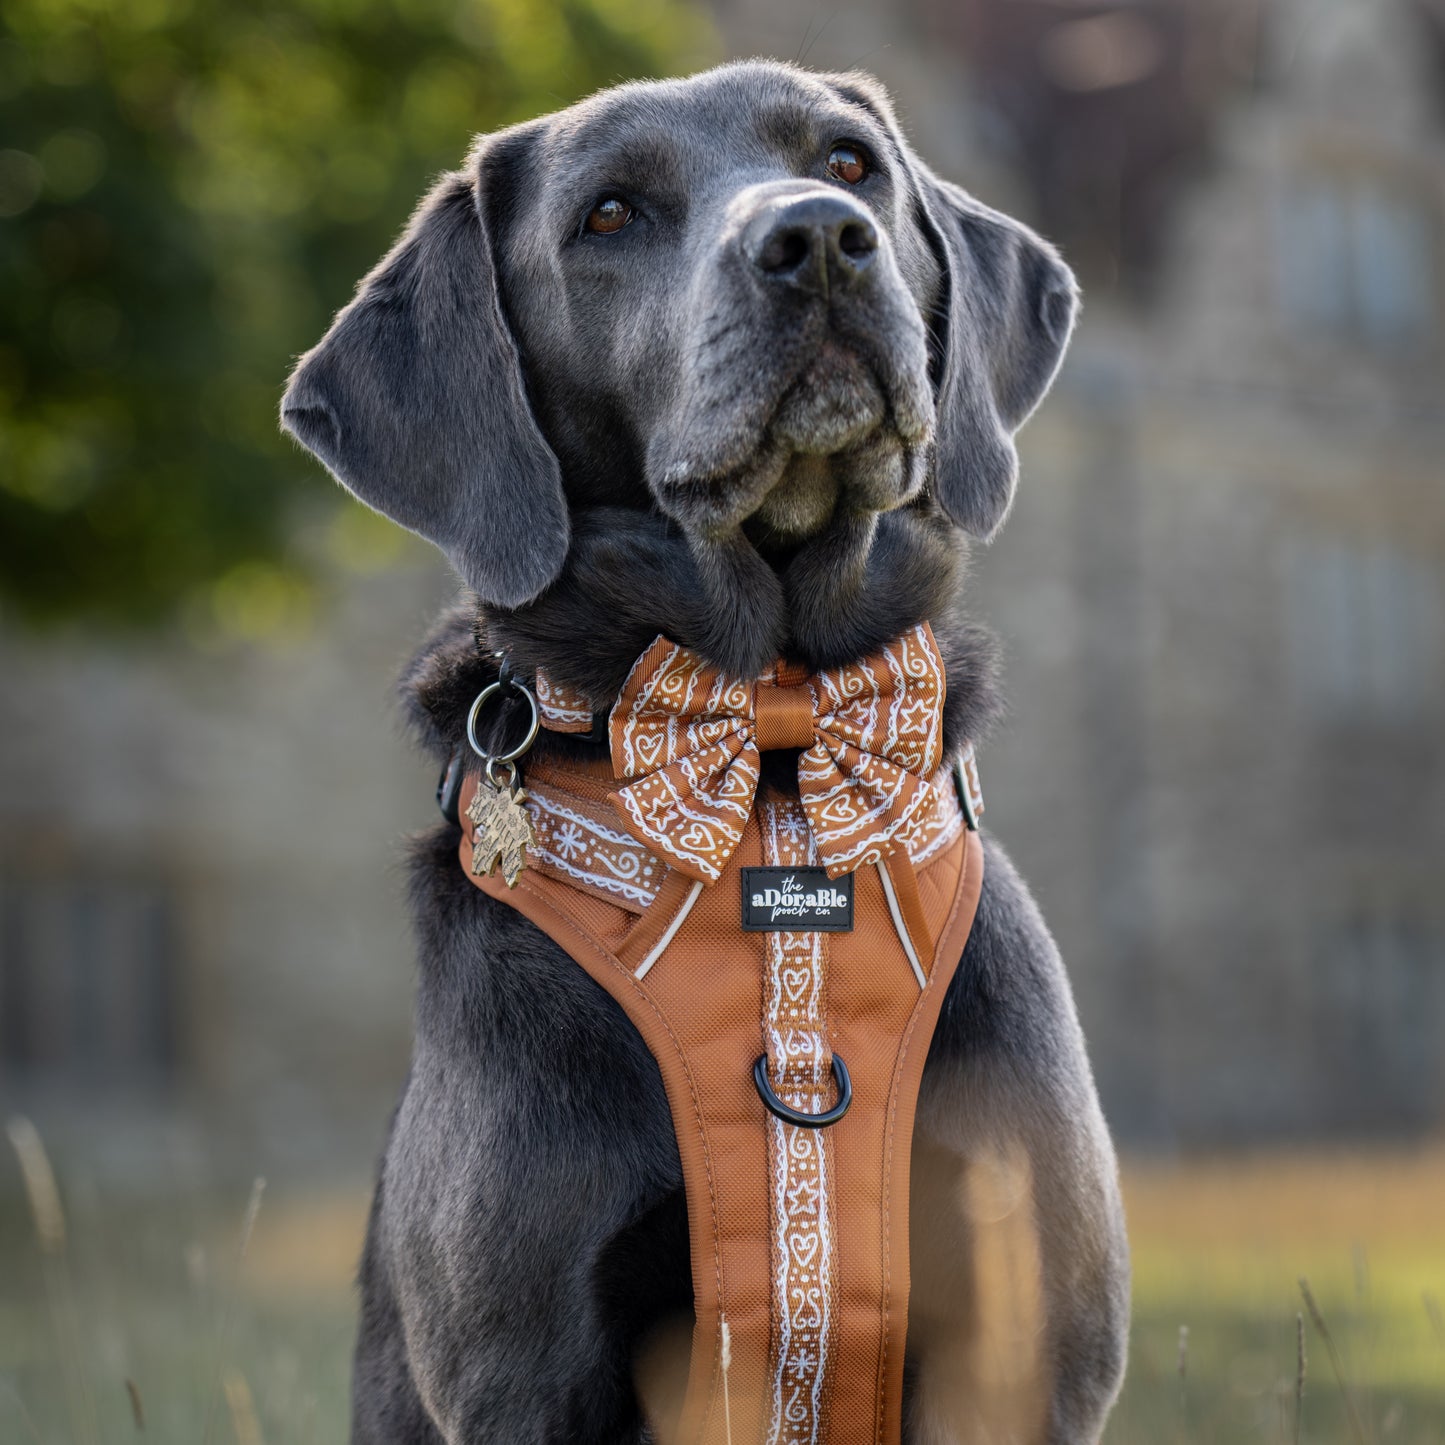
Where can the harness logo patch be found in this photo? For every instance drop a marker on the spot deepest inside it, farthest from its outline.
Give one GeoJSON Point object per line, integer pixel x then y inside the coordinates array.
{"type": "Point", "coordinates": [800, 899]}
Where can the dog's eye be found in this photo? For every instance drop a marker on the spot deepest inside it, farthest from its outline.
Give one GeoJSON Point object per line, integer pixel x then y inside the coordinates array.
{"type": "Point", "coordinates": [610, 214]}
{"type": "Point", "coordinates": [847, 163]}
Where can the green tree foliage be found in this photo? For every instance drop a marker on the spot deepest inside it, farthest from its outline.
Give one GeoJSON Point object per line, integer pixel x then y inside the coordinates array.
{"type": "Point", "coordinates": [188, 190]}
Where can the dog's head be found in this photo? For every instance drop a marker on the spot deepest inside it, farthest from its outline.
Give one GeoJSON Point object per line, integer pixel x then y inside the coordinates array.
{"type": "Point", "coordinates": [718, 357]}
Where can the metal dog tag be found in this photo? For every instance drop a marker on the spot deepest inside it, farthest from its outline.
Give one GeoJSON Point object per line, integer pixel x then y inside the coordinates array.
{"type": "Point", "coordinates": [503, 828]}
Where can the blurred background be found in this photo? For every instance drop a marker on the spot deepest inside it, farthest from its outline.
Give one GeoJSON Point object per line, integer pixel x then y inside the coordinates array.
{"type": "Point", "coordinates": [1221, 593]}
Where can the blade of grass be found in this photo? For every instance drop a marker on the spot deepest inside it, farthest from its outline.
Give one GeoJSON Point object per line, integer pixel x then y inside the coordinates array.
{"type": "Point", "coordinates": [26, 1418]}
{"type": "Point", "coordinates": [228, 1310]}
{"type": "Point", "coordinates": [1301, 1369]}
{"type": "Point", "coordinates": [1357, 1426]}
{"type": "Point", "coordinates": [48, 1215]}
{"type": "Point", "coordinates": [1365, 1371]}
{"type": "Point", "coordinates": [1183, 1370]}
{"type": "Point", "coordinates": [243, 1409]}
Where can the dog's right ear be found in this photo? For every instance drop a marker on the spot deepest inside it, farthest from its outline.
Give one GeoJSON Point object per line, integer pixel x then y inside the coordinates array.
{"type": "Point", "coordinates": [415, 401]}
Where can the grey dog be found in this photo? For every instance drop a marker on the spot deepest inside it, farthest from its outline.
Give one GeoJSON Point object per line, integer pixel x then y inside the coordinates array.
{"type": "Point", "coordinates": [721, 358]}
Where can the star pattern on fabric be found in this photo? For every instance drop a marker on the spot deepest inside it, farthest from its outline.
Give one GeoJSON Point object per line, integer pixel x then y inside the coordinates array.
{"type": "Point", "coordinates": [685, 743]}
{"type": "Point", "coordinates": [660, 813]}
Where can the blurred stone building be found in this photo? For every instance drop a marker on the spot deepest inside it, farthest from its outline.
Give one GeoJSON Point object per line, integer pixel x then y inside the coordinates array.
{"type": "Point", "coordinates": [204, 957]}
{"type": "Point", "coordinates": [1223, 584]}
{"type": "Point", "coordinates": [1222, 592]}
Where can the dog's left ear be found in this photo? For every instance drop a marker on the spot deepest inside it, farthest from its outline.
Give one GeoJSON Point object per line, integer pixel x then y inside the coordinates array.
{"type": "Point", "coordinates": [1006, 315]}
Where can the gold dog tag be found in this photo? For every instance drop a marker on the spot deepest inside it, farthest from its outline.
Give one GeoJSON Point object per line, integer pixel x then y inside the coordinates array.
{"type": "Point", "coordinates": [503, 830]}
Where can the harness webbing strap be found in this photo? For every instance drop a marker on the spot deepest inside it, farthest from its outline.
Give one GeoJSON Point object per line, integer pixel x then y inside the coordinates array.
{"type": "Point", "coordinates": [799, 1237]}
{"type": "Point", "coordinates": [801, 1162]}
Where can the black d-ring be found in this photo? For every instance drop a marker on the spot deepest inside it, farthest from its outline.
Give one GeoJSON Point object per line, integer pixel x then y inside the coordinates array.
{"type": "Point", "coordinates": [788, 1114]}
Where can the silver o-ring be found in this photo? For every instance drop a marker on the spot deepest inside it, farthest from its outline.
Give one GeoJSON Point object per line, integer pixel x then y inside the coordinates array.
{"type": "Point", "coordinates": [516, 752]}
{"type": "Point", "coordinates": [494, 766]}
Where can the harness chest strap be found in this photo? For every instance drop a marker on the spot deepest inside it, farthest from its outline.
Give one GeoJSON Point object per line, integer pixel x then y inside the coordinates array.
{"type": "Point", "coordinates": [799, 1237]}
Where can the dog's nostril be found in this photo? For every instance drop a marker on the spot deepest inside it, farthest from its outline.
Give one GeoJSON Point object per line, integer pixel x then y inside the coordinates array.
{"type": "Point", "coordinates": [785, 251]}
{"type": "Point", "coordinates": [857, 240]}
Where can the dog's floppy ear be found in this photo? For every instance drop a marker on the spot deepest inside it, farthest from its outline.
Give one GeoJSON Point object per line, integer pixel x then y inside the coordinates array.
{"type": "Point", "coordinates": [415, 401]}
{"type": "Point", "coordinates": [1005, 317]}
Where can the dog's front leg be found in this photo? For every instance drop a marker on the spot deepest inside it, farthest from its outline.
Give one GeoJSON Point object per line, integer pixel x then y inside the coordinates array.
{"type": "Point", "coordinates": [531, 1217]}
{"type": "Point", "coordinates": [1019, 1312]}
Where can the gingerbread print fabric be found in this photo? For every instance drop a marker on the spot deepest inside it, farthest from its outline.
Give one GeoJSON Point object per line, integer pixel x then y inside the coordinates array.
{"type": "Point", "coordinates": [582, 843]}
{"type": "Point", "coordinates": [686, 739]}
{"type": "Point", "coordinates": [795, 1027]}
{"type": "Point", "coordinates": [563, 711]}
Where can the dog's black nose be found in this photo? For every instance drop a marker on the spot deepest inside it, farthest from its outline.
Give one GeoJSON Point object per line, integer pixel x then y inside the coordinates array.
{"type": "Point", "coordinates": [812, 242]}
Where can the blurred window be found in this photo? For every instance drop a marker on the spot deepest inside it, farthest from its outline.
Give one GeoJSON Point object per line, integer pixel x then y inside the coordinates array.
{"type": "Point", "coordinates": [1394, 278]}
{"type": "Point", "coordinates": [87, 982]}
{"type": "Point", "coordinates": [1314, 255]}
{"type": "Point", "coordinates": [1380, 996]}
{"type": "Point", "coordinates": [1364, 630]}
{"type": "Point", "coordinates": [1356, 256]}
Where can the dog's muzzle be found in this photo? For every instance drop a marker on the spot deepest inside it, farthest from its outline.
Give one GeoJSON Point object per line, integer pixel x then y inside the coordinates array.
{"type": "Point", "coordinates": [805, 388]}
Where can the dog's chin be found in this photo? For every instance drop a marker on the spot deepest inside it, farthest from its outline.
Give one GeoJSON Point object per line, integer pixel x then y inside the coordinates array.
{"type": "Point", "coordinates": [800, 505]}
{"type": "Point", "coordinates": [840, 454]}
{"type": "Point", "coordinates": [838, 443]}
{"type": "Point", "coordinates": [871, 472]}
{"type": "Point", "coordinates": [816, 494]}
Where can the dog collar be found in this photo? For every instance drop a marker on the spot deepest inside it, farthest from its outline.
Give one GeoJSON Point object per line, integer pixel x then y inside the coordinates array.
{"type": "Point", "coordinates": [686, 743]}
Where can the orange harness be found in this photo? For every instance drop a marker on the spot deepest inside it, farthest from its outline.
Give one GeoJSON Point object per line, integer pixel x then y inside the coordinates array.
{"type": "Point", "coordinates": [799, 1235]}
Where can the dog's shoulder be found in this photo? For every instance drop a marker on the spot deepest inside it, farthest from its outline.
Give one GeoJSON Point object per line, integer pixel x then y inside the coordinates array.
{"type": "Point", "coordinates": [1011, 995]}
{"type": "Point", "coordinates": [973, 662]}
{"type": "Point", "coordinates": [445, 673]}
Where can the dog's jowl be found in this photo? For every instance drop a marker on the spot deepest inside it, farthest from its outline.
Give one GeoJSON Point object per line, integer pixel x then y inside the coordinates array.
{"type": "Point", "coordinates": [748, 1102]}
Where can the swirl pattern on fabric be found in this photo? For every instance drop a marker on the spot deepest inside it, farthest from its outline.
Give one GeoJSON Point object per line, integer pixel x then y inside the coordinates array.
{"type": "Point", "coordinates": [686, 739]}
{"type": "Point", "coordinates": [563, 710]}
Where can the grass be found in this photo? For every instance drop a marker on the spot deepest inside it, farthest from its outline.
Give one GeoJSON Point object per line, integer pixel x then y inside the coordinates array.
{"type": "Point", "coordinates": [1220, 1248]}
{"type": "Point", "coordinates": [205, 1322]}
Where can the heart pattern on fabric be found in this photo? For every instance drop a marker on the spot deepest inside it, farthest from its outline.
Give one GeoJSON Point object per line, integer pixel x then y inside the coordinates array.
{"type": "Point", "coordinates": [795, 984]}
{"type": "Point", "coordinates": [685, 740]}
{"type": "Point", "coordinates": [800, 1067]}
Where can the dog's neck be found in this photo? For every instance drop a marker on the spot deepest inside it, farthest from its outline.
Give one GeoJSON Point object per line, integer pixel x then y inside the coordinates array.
{"type": "Point", "coordinates": [629, 581]}
{"type": "Point", "coordinates": [631, 574]}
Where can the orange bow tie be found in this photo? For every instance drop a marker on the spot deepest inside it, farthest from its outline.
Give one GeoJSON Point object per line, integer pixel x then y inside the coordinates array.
{"type": "Point", "coordinates": [871, 735]}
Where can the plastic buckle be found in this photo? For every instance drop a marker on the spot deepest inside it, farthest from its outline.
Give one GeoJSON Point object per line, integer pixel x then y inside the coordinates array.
{"type": "Point", "coordinates": [449, 789]}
